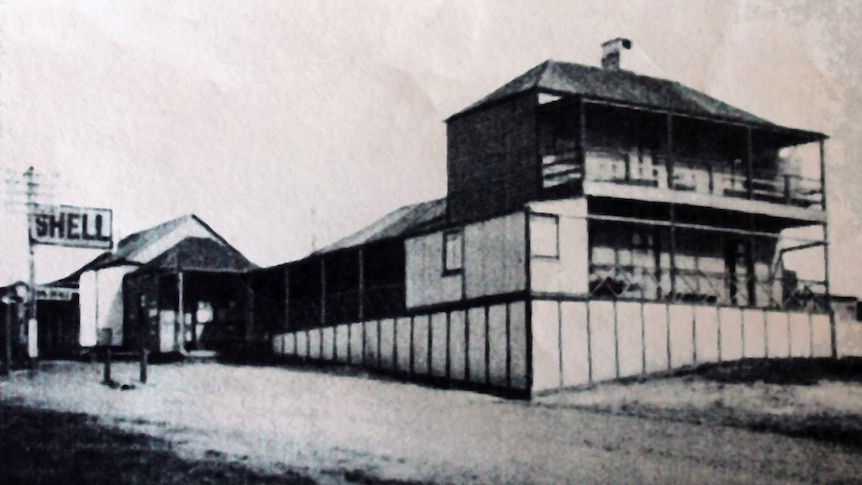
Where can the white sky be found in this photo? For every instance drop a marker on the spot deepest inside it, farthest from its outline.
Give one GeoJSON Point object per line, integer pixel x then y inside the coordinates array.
{"type": "Point", "coordinates": [279, 121]}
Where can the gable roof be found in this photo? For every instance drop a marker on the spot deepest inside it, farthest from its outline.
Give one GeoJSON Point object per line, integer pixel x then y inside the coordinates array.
{"type": "Point", "coordinates": [620, 86]}
{"type": "Point", "coordinates": [398, 223]}
{"type": "Point", "coordinates": [134, 243]}
{"type": "Point", "coordinates": [202, 254]}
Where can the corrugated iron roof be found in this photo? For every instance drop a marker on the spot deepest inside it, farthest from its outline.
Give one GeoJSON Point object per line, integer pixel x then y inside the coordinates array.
{"type": "Point", "coordinates": [399, 223]}
{"type": "Point", "coordinates": [201, 254]}
{"type": "Point", "coordinates": [135, 242]}
{"type": "Point", "coordinates": [617, 85]}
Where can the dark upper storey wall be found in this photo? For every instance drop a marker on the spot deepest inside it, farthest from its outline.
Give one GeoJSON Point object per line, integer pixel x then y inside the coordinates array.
{"type": "Point", "coordinates": [492, 159]}
{"type": "Point", "coordinates": [494, 152]}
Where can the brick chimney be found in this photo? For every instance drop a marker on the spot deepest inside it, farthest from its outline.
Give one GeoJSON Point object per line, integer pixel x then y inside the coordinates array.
{"type": "Point", "coordinates": [611, 51]}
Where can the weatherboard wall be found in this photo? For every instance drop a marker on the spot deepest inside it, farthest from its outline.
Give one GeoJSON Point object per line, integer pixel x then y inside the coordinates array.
{"type": "Point", "coordinates": [101, 304]}
{"type": "Point", "coordinates": [578, 343]}
{"type": "Point", "coordinates": [491, 159]}
{"type": "Point", "coordinates": [566, 270]}
{"type": "Point", "coordinates": [494, 253]}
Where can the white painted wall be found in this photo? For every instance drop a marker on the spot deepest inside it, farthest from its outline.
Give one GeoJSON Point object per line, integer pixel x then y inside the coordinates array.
{"type": "Point", "coordinates": [848, 330]}
{"type": "Point", "coordinates": [419, 348]}
{"type": "Point", "coordinates": [424, 280]}
{"type": "Point", "coordinates": [494, 263]}
{"type": "Point", "coordinates": [476, 339]}
{"type": "Point", "coordinates": [87, 306]}
{"type": "Point", "coordinates": [849, 338]}
{"type": "Point", "coordinates": [494, 257]}
{"type": "Point", "coordinates": [101, 291]}
{"type": "Point", "coordinates": [567, 274]}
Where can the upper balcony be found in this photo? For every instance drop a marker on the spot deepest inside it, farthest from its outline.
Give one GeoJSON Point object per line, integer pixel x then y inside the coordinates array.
{"type": "Point", "coordinates": [611, 151]}
{"type": "Point", "coordinates": [566, 171]}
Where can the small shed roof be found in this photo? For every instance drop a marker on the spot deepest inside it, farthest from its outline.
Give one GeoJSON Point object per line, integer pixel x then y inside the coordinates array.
{"type": "Point", "coordinates": [132, 244]}
{"type": "Point", "coordinates": [201, 254]}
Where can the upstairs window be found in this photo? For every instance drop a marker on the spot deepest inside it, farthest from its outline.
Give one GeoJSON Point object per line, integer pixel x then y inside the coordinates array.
{"type": "Point", "coordinates": [545, 236]}
{"type": "Point", "coordinates": [453, 254]}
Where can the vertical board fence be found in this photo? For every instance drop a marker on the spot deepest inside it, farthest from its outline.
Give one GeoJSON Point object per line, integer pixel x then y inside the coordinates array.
{"type": "Point", "coordinates": [571, 343]}
{"type": "Point", "coordinates": [578, 343]}
{"type": "Point", "coordinates": [482, 347]}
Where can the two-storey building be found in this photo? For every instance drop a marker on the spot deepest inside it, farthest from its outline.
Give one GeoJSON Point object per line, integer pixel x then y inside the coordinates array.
{"type": "Point", "coordinates": [598, 224]}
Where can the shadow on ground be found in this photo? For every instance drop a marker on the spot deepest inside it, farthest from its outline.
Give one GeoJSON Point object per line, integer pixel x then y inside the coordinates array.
{"type": "Point", "coordinates": [40, 446]}
{"type": "Point", "coordinates": [802, 372]}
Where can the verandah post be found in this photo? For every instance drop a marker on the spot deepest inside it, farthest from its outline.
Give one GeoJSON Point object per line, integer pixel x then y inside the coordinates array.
{"type": "Point", "coordinates": [670, 178]}
{"type": "Point", "coordinates": [826, 286]}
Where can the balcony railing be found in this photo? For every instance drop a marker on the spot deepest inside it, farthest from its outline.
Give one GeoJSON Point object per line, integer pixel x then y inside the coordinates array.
{"type": "Point", "coordinates": [647, 283]}
{"type": "Point", "coordinates": [710, 177]}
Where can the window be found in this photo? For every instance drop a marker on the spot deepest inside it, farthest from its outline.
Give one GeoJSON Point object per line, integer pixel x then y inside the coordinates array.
{"type": "Point", "coordinates": [453, 256]}
{"type": "Point", "coordinates": [545, 236]}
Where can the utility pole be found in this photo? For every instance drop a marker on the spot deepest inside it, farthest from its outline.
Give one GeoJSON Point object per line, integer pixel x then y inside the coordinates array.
{"type": "Point", "coordinates": [8, 300]}
{"type": "Point", "coordinates": [27, 185]}
{"type": "Point", "coordinates": [32, 322]}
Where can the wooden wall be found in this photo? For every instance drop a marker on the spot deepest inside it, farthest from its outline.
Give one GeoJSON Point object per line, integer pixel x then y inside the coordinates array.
{"type": "Point", "coordinates": [492, 159]}
{"type": "Point", "coordinates": [493, 263]}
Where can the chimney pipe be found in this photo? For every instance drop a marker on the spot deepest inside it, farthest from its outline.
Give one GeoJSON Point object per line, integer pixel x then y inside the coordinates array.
{"type": "Point", "coordinates": [611, 51]}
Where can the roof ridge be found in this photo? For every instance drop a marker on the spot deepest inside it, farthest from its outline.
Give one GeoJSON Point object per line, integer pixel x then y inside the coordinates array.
{"type": "Point", "coordinates": [157, 226]}
{"type": "Point", "coordinates": [514, 86]}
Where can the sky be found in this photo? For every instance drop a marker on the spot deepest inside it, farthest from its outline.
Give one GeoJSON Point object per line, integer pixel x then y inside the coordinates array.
{"type": "Point", "coordinates": [286, 125]}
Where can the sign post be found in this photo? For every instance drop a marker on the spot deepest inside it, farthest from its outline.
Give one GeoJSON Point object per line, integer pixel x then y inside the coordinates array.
{"type": "Point", "coordinates": [69, 226]}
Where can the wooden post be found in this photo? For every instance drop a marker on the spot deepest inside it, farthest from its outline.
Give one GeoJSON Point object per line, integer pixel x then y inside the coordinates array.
{"type": "Point", "coordinates": [826, 286]}
{"type": "Point", "coordinates": [361, 284]}
{"type": "Point", "coordinates": [669, 150]}
{"type": "Point", "coordinates": [181, 315]}
{"type": "Point", "coordinates": [627, 176]}
{"type": "Point", "coordinates": [323, 305]}
{"type": "Point", "coordinates": [322, 292]}
{"type": "Point", "coordinates": [7, 367]}
{"type": "Point", "coordinates": [582, 135]}
{"type": "Point", "coordinates": [96, 313]}
{"type": "Point", "coordinates": [749, 163]}
{"type": "Point", "coordinates": [106, 342]}
{"type": "Point", "coordinates": [710, 171]}
{"type": "Point", "coordinates": [143, 370]}
{"type": "Point", "coordinates": [750, 266]}
{"type": "Point", "coordinates": [32, 322]}
{"type": "Point", "coordinates": [669, 165]}
{"type": "Point", "coordinates": [249, 310]}
{"type": "Point", "coordinates": [286, 325]}
{"type": "Point", "coordinates": [143, 336]}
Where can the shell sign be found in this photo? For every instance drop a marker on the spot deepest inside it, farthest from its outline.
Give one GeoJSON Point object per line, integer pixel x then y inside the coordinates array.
{"type": "Point", "coordinates": [78, 227]}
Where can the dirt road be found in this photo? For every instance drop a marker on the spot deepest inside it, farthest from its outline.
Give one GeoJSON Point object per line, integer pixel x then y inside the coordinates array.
{"type": "Point", "coordinates": [338, 429]}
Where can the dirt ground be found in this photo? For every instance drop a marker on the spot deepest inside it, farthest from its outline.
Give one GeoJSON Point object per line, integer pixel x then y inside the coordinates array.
{"type": "Point", "coordinates": [212, 423]}
{"type": "Point", "coordinates": [803, 398]}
